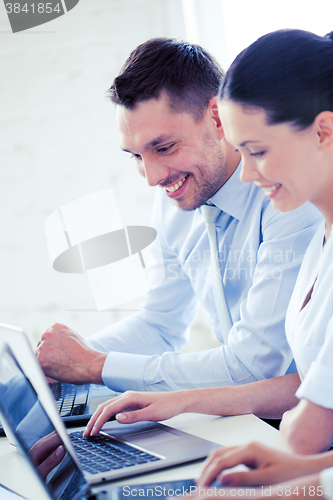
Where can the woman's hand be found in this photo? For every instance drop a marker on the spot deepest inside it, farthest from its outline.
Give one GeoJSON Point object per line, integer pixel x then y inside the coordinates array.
{"type": "Point", "coordinates": [137, 406]}
{"type": "Point", "coordinates": [267, 466]}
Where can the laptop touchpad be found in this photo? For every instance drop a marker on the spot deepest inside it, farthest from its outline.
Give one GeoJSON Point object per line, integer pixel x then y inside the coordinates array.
{"type": "Point", "coordinates": [150, 438]}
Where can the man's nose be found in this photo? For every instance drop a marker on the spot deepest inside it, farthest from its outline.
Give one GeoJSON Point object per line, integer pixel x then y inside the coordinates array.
{"type": "Point", "coordinates": [153, 171]}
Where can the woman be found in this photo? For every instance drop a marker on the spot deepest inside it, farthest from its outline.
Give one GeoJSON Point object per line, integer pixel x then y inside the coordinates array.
{"type": "Point", "coordinates": [276, 106]}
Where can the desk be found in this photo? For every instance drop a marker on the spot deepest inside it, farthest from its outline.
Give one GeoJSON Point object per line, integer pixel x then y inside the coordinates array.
{"type": "Point", "coordinates": [227, 431]}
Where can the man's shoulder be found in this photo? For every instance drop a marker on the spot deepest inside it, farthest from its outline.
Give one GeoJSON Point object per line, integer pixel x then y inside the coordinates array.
{"type": "Point", "coordinates": [258, 204]}
{"type": "Point", "coordinates": [302, 217]}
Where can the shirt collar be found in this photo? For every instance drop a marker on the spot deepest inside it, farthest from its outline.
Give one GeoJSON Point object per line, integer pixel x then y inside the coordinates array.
{"type": "Point", "coordinates": [232, 196]}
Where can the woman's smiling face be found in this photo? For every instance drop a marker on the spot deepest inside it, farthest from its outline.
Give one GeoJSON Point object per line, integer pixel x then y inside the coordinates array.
{"type": "Point", "coordinates": [281, 159]}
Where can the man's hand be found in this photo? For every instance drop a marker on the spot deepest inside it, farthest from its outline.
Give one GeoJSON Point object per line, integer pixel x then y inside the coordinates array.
{"type": "Point", "coordinates": [138, 406]}
{"type": "Point", "coordinates": [65, 356]}
{"type": "Point", "coordinates": [267, 466]}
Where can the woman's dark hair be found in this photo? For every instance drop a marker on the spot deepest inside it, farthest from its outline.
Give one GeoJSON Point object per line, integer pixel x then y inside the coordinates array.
{"type": "Point", "coordinates": [188, 74]}
{"type": "Point", "coordinates": [287, 73]}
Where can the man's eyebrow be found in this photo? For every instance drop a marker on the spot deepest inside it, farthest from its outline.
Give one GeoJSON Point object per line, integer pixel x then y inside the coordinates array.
{"type": "Point", "coordinates": [158, 140]}
{"type": "Point", "coordinates": [152, 143]}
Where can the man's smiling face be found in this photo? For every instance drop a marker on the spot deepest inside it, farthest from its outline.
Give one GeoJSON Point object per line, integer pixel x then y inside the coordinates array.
{"type": "Point", "coordinates": [174, 151]}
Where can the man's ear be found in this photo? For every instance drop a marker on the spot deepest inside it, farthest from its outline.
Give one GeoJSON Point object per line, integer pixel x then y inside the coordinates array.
{"type": "Point", "coordinates": [214, 113]}
{"type": "Point", "coordinates": [324, 128]}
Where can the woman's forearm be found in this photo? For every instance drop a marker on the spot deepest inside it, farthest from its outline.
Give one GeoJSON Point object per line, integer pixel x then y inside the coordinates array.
{"type": "Point", "coordinates": [266, 398]}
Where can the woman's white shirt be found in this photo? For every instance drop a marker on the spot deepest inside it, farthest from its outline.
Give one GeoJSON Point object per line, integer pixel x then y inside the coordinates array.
{"type": "Point", "coordinates": [310, 330]}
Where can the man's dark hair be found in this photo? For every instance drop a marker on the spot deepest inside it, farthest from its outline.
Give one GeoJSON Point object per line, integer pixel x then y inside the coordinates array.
{"type": "Point", "coordinates": [186, 72]}
{"type": "Point", "coordinates": [287, 73]}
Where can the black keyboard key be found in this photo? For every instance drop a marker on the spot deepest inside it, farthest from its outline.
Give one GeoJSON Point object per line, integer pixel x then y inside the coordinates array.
{"type": "Point", "coordinates": [70, 399]}
{"type": "Point", "coordinates": [79, 409]}
{"type": "Point", "coordinates": [102, 453]}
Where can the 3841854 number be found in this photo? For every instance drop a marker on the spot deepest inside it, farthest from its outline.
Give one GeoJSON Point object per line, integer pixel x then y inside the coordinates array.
{"type": "Point", "coordinates": [33, 8]}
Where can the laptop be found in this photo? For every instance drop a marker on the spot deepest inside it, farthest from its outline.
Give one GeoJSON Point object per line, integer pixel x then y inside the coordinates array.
{"type": "Point", "coordinates": [62, 478]}
{"type": "Point", "coordinates": [75, 403]}
{"type": "Point", "coordinates": [30, 417]}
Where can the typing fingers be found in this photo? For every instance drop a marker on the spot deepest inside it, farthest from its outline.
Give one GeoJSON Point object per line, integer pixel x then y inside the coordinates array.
{"type": "Point", "coordinates": [216, 462]}
{"type": "Point", "coordinates": [241, 459]}
{"type": "Point", "coordinates": [126, 402]}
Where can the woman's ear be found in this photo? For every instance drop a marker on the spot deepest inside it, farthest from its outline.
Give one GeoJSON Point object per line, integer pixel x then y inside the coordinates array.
{"type": "Point", "coordinates": [324, 129]}
{"type": "Point", "coordinates": [214, 113]}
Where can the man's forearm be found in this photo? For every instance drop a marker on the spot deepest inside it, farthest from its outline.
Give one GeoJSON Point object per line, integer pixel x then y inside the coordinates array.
{"type": "Point", "coordinates": [95, 368]}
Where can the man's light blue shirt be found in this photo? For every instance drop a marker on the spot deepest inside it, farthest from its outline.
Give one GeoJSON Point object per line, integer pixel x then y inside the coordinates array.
{"type": "Point", "coordinates": [260, 252]}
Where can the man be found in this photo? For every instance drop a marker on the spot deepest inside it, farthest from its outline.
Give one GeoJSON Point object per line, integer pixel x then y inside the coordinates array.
{"type": "Point", "coordinates": [166, 108]}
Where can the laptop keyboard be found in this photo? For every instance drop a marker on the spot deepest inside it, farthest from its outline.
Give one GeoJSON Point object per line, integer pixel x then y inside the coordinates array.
{"type": "Point", "coordinates": [70, 399]}
{"type": "Point", "coordinates": [102, 453]}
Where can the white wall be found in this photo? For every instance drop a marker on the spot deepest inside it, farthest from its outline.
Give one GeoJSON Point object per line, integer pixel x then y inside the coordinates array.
{"type": "Point", "coordinates": [247, 20]}
{"type": "Point", "coordinates": [58, 142]}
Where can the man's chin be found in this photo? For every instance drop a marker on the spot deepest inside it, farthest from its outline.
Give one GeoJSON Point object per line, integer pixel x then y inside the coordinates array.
{"type": "Point", "coordinates": [186, 206]}
{"type": "Point", "coordinates": [188, 202]}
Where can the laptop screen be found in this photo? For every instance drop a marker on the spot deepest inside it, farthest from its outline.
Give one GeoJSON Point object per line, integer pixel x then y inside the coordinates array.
{"type": "Point", "coordinates": [36, 434]}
